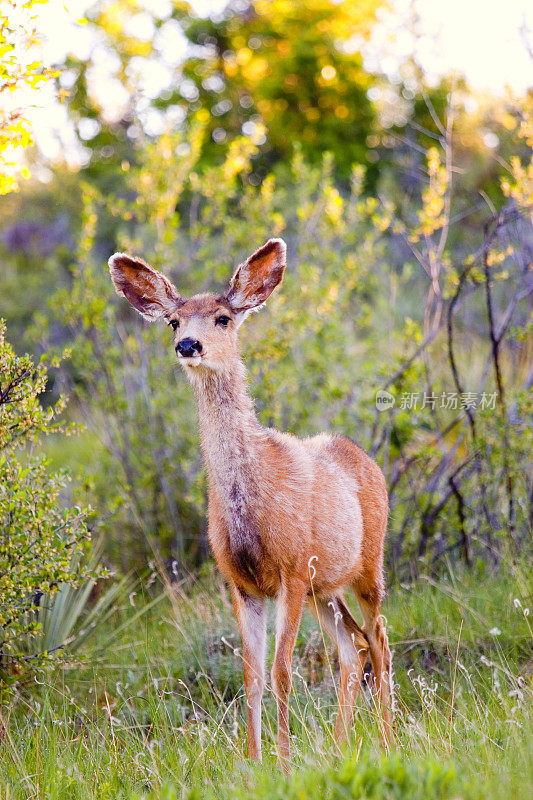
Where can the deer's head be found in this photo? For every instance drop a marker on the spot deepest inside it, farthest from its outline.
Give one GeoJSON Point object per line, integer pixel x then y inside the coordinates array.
{"type": "Point", "coordinates": [205, 325]}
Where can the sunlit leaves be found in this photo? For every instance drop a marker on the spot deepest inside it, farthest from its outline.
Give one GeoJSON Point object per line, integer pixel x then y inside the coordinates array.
{"type": "Point", "coordinates": [238, 158]}
{"type": "Point", "coordinates": [431, 215]}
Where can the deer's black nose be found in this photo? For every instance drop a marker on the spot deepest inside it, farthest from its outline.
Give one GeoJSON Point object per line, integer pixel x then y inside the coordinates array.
{"type": "Point", "coordinates": [188, 347]}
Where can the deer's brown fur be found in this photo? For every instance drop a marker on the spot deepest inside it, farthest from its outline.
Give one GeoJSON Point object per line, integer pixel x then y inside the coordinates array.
{"type": "Point", "coordinates": [295, 519]}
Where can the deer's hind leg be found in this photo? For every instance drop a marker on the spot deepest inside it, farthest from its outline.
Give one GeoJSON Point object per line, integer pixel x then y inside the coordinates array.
{"type": "Point", "coordinates": [369, 599]}
{"type": "Point", "coordinates": [335, 618]}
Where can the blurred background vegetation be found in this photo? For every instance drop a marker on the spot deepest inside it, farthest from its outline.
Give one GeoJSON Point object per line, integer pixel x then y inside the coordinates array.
{"type": "Point", "coordinates": [188, 134]}
{"type": "Point", "coordinates": [406, 206]}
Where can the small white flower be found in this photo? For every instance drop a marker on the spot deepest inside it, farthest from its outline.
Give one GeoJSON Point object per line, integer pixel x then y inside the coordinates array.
{"type": "Point", "coordinates": [495, 631]}
{"type": "Point", "coordinates": [517, 603]}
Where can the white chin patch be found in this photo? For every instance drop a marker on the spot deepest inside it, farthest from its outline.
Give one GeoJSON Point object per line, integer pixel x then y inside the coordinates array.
{"type": "Point", "coordinates": [192, 362]}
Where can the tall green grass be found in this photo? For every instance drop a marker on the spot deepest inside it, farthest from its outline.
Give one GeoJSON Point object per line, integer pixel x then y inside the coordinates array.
{"type": "Point", "coordinates": [156, 709]}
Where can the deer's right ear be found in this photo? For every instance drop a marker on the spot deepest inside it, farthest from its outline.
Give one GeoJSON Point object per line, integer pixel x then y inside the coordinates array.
{"type": "Point", "coordinates": [149, 291]}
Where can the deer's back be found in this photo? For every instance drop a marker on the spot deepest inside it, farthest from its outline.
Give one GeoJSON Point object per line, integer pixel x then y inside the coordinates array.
{"type": "Point", "coordinates": [320, 512]}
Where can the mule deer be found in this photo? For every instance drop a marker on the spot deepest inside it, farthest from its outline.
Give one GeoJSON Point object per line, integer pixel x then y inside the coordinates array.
{"type": "Point", "coordinates": [294, 519]}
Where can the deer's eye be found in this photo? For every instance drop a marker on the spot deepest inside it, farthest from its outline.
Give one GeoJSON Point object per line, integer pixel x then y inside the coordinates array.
{"type": "Point", "coordinates": [174, 324]}
{"type": "Point", "coordinates": [223, 320]}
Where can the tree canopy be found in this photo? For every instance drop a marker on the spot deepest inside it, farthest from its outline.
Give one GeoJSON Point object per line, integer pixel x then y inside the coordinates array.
{"type": "Point", "coordinates": [282, 72]}
{"type": "Point", "coordinates": [22, 74]}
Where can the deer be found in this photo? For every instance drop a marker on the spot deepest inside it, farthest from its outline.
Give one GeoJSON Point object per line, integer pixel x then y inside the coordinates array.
{"type": "Point", "coordinates": [297, 520]}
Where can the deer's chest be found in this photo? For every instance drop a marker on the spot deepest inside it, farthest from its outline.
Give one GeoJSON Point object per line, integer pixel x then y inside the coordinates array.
{"type": "Point", "coordinates": [236, 536]}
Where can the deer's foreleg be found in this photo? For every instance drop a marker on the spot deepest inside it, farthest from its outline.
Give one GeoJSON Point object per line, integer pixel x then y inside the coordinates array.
{"type": "Point", "coordinates": [289, 609]}
{"type": "Point", "coordinates": [251, 617]}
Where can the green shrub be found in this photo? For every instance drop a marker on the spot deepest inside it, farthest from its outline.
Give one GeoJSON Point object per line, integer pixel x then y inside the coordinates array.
{"type": "Point", "coordinates": [40, 542]}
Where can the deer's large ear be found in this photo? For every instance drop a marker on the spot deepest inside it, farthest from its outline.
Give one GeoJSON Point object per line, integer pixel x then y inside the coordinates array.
{"type": "Point", "coordinates": [255, 280]}
{"type": "Point", "coordinates": [149, 291]}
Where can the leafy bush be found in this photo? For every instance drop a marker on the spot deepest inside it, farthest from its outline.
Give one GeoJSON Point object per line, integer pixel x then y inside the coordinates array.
{"type": "Point", "coordinates": [41, 543]}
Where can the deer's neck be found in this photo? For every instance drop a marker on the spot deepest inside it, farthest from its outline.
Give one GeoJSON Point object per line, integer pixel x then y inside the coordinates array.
{"type": "Point", "coordinates": [231, 439]}
{"type": "Point", "coordinates": [229, 433]}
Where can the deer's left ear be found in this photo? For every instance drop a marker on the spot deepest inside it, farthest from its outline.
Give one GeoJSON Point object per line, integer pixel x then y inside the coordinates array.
{"type": "Point", "coordinates": [149, 291]}
{"type": "Point", "coordinates": [255, 280]}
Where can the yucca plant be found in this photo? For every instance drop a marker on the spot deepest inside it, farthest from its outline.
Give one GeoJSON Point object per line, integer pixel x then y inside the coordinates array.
{"type": "Point", "coordinates": [66, 618]}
